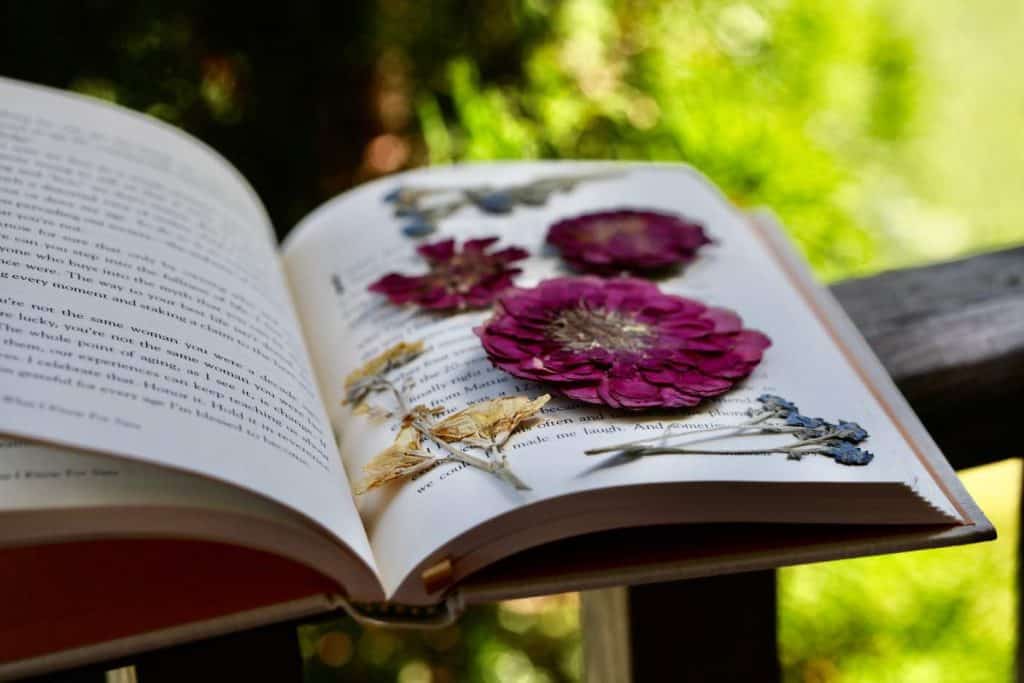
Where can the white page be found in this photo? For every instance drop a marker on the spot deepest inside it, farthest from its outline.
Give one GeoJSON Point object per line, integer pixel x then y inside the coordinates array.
{"type": "Point", "coordinates": [355, 240]}
{"type": "Point", "coordinates": [38, 476]}
{"type": "Point", "coordinates": [143, 311]}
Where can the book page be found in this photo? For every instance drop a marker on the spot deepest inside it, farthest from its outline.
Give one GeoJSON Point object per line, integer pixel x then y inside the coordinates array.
{"type": "Point", "coordinates": [343, 247]}
{"type": "Point", "coordinates": [143, 311]}
{"type": "Point", "coordinates": [50, 494]}
{"type": "Point", "coordinates": [39, 476]}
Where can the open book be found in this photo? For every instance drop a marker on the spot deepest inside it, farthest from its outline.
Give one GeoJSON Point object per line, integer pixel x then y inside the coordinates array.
{"type": "Point", "coordinates": [183, 447]}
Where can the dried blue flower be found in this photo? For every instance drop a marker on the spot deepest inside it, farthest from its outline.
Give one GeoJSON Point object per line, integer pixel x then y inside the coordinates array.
{"type": "Point", "coordinates": [798, 420]}
{"type": "Point", "coordinates": [846, 453]}
{"type": "Point", "coordinates": [418, 228]}
{"type": "Point", "coordinates": [778, 404]}
{"type": "Point", "coordinates": [851, 431]}
{"type": "Point", "coordinates": [813, 436]}
{"type": "Point", "coordinates": [492, 202]}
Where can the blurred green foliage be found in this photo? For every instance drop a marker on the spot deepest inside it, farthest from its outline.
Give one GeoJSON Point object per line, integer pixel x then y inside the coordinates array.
{"type": "Point", "coordinates": [883, 132]}
{"type": "Point", "coordinates": [935, 616]}
{"type": "Point", "coordinates": [738, 90]}
{"type": "Point", "coordinates": [852, 119]}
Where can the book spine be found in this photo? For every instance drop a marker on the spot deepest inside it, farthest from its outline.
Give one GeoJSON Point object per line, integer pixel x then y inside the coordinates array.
{"type": "Point", "coordinates": [396, 615]}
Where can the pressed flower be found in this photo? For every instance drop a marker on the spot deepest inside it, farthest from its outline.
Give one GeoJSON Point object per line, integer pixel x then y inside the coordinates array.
{"type": "Point", "coordinates": [370, 375]}
{"type": "Point", "coordinates": [620, 342]}
{"type": "Point", "coordinates": [845, 453]}
{"type": "Point", "coordinates": [610, 242]}
{"type": "Point", "coordinates": [851, 431]}
{"type": "Point", "coordinates": [489, 423]}
{"type": "Point", "coordinates": [814, 436]}
{"type": "Point", "coordinates": [401, 459]}
{"type": "Point", "coordinates": [798, 420]}
{"type": "Point", "coordinates": [777, 404]}
{"type": "Point", "coordinates": [470, 278]}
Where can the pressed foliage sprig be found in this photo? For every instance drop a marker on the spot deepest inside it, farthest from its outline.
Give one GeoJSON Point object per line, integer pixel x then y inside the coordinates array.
{"type": "Point", "coordinates": [426, 207]}
{"type": "Point", "coordinates": [814, 436]}
{"type": "Point", "coordinates": [486, 425]}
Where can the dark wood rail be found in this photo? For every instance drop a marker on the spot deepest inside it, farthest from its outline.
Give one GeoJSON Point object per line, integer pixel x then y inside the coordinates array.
{"type": "Point", "coordinates": [952, 336]}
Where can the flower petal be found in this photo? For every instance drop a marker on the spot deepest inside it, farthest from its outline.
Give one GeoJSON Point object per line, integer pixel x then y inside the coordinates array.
{"type": "Point", "coordinates": [394, 357]}
{"type": "Point", "coordinates": [457, 280]}
{"type": "Point", "coordinates": [402, 458]}
{"type": "Point", "coordinates": [438, 251]}
{"type": "Point", "coordinates": [489, 423]}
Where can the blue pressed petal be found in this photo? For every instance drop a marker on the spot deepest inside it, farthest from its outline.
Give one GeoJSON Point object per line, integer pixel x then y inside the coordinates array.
{"type": "Point", "coordinates": [493, 202]}
{"type": "Point", "coordinates": [798, 420]}
{"type": "Point", "coordinates": [418, 229]}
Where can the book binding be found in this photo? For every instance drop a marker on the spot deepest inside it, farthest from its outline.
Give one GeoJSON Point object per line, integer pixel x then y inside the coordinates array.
{"type": "Point", "coordinates": [396, 615]}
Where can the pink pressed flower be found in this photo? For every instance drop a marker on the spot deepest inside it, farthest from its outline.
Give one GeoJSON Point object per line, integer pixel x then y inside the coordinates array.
{"type": "Point", "coordinates": [471, 278]}
{"type": "Point", "coordinates": [626, 240]}
{"type": "Point", "coordinates": [620, 342]}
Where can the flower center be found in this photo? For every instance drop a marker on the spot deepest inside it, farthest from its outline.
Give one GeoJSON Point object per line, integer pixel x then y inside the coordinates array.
{"type": "Point", "coordinates": [604, 230]}
{"type": "Point", "coordinates": [461, 273]}
{"type": "Point", "coordinates": [583, 329]}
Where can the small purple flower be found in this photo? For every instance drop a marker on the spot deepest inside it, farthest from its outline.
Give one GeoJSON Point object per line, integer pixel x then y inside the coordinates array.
{"type": "Point", "coordinates": [620, 342]}
{"type": "Point", "coordinates": [471, 278]}
{"type": "Point", "coordinates": [610, 242]}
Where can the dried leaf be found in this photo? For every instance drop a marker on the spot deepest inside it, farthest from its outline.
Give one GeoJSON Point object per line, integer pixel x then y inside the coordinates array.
{"type": "Point", "coordinates": [423, 413]}
{"type": "Point", "coordinates": [402, 458]}
{"type": "Point", "coordinates": [360, 381]}
{"type": "Point", "coordinates": [488, 423]}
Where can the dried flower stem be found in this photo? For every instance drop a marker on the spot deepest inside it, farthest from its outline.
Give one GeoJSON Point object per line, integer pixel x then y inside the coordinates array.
{"type": "Point", "coordinates": [815, 436]}
{"type": "Point", "coordinates": [660, 450]}
{"type": "Point", "coordinates": [743, 426]}
{"type": "Point", "coordinates": [503, 471]}
{"type": "Point", "coordinates": [796, 448]}
{"type": "Point", "coordinates": [453, 453]}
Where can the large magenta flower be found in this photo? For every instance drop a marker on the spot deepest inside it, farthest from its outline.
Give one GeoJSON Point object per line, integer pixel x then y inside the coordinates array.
{"type": "Point", "coordinates": [610, 242]}
{"type": "Point", "coordinates": [471, 278]}
{"type": "Point", "coordinates": [620, 342]}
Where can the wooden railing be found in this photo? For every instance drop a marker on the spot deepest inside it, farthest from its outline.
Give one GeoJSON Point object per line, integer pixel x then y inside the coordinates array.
{"type": "Point", "coordinates": [952, 336]}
